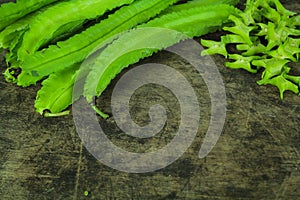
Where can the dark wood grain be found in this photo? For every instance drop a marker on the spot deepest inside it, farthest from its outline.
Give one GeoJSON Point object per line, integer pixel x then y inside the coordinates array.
{"type": "Point", "coordinates": [257, 156]}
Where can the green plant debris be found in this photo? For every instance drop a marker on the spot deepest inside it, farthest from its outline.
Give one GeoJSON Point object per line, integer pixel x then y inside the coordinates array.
{"type": "Point", "coordinates": [267, 38]}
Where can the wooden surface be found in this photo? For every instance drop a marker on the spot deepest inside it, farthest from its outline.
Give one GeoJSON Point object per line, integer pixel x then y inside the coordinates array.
{"type": "Point", "coordinates": [257, 156]}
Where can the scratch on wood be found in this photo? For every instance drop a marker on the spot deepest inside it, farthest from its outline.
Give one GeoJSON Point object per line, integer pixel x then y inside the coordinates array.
{"type": "Point", "coordinates": [78, 171]}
